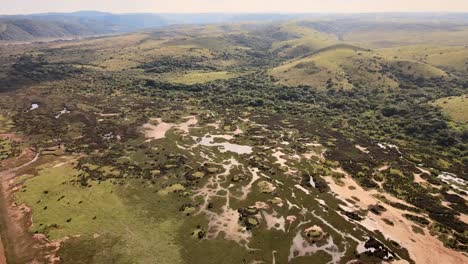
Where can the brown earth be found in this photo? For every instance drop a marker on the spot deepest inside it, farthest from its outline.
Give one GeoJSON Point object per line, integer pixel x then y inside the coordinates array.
{"type": "Point", "coordinates": [19, 245]}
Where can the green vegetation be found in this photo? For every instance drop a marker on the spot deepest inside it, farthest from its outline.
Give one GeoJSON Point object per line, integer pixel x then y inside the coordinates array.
{"type": "Point", "coordinates": [455, 107]}
{"type": "Point", "coordinates": [5, 124]}
{"type": "Point", "coordinates": [8, 148]}
{"type": "Point", "coordinates": [194, 144]}
{"type": "Point", "coordinates": [202, 77]}
{"type": "Point", "coordinates": [63, 208]}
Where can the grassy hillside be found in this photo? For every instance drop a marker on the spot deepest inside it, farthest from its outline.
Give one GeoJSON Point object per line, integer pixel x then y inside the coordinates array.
{"type": "Point", "coordinates": [200, 77]}
{"type": "Point", "coordinates": [27, 29]}
{"type": "Point", "coordinates": [378, 38]}
{"type": "Point", "coordinates": [451, 58]}
{"type": "Point", "coordinates": [377, 31]}
{"type": "Point", "coordinates": [455, 107]}
{"type": "Point", "coordinates": [345, 66]}
{"type": "Point", "coordinates": [305, 40]}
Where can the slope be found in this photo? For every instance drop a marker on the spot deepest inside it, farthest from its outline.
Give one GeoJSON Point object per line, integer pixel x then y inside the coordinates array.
{"type": "Point", "coordinates": [346, 66]}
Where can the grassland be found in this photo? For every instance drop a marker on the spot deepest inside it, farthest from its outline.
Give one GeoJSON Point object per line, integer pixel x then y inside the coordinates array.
{"type": "Point", "coordinates": [65, 209]}
{"type": "Point", "coordinates": [452, 58]}
{"type": "Point", "coordinates": [305, 40]}
{"type": "Point", "coordinates": [385, 38]}
{"type": "Point", "coordinates": [345, 67]}
{"type": "Point", "coordinates": [455, 107]}
{"type": "Point", "coordinates": [201, 77]}
{"type": "Point", "coordinates": [245, 143]}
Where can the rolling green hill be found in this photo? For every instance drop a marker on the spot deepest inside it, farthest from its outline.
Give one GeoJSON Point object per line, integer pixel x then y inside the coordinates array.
{"type": "Point", "coordinates": [450, 58]}
{"type": "Point", "coordinates": [346, 66]}
{"type": "Point", "coordinates": [378, 31]}
{"type": "Point", "coordinates": [455, 107]}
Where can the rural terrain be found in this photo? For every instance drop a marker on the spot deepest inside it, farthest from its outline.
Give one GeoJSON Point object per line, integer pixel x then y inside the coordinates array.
{"type": "Point", "coordinates": [306, 140]}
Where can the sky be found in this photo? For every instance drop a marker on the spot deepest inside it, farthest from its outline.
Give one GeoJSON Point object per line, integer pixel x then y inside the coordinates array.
{"type": "Point", "coordinates": [232, 6]}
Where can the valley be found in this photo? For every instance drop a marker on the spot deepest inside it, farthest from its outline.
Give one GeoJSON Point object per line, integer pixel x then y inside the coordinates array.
{"type": "Point", "coordinates": [243, 142]}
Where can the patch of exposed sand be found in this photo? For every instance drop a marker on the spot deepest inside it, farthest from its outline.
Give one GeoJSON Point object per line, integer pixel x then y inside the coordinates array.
{"type": "Point", "coordinates": [274, 221]}
{"type": "Point", "coordinates": [238, 131]}
{"type": "Point", "coordinates": [384, 168]}
{"type": "Point", "coordinates": [261, 205]}
{"type": "Point", "coordinates": [362, 149]}
{"type": "Point", "coordinates": [209, 141]}
{"type": "Point", "coordinates": [278, 154]}
{"type": "Point", "coordinates": [301, 247]}
{"type": "Point", "coordinates": [298, 186]}
{"type": "Point", "coordinates": [454, 181]}
{"type": "Point", "coordinates": [463, 217]}
{"type": "Point", "coordinates": [281, 160]}
{"type": "Point", "coordinates": [18, 219]}
{"type": "Point", "coordinates": [266, 187]}
{"type": "Point", "coordinates": [107, 115]}
{"type": "Point", "coordinates": [248, 188]}
{"type": "Point", "coordinates": [418, 245]}
{"type": "Point", "coordinates": [291, 218]}
{"type": "Point", "coordinates": [424, 170]}
{"type": "Point", "coordinates": [52, 256]}
{"type": "Point", "coordinates": [64, 111]}
{"type": "Point", "coordinates": [226, 222]}
{"type": "Point", "coordinates": [159, 131]}
{"type": "Point", "coordinates": [418, 179]}
{"type": "Point", "coordinates": [314, 150]}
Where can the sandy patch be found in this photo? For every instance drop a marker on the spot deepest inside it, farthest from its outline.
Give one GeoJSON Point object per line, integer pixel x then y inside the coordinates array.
{"type": "Point", "coordinates": [209, 141]}
{"type": "Point", "coordinates": [238, 131]}
{"type": "Point", "coordinates": [64, 111]}
{"type": "Point", "coordinates": [384, 168]}
{"type": "Point", "coordinates": [266, 187]}
{"type": "Point", "coordinates": [298, 186]}
{"type": "Point", "coordinates": [248, 188]}
{"type": "Point", "coordinates": [301, 247]}
{"type": "Point", "coordinates": [226, 222]}
{"type": "Point", "coordinates": [107, 115]}
{"type": "Point", "coordinates": [454, 181]}
{"type": "Point", "coordinates": [159, 131]}
{"type": "Point", "coordinates": [418, 179]}
{"type": "Point", "coordinates": [362, 149]}
{"type": "Point", "coordinates": [311, 152]}
{"type": "Point", "coordinates": [291, 218]}
{"type": "Point", "coordinates": [261, 205]}
{"type": "Point", "coordinates": [274, 221]}
{"type": "Point", "coordinates": [418, 245]}
{"type": "Point", "coordinates": [278, 154]}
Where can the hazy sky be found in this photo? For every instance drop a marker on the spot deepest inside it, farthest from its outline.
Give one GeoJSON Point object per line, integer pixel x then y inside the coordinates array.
{"type": "Point", "coordinates": [232, 6]}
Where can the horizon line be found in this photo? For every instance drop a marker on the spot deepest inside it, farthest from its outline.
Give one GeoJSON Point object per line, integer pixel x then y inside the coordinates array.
{"type": "Point", "coordinates": [242, 13]}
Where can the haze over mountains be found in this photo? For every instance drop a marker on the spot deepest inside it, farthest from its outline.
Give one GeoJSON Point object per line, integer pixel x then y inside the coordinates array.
{"type": "Point", "coordinates": [85, 23]}
{"type": "Point", "coordinates": [89, 23]}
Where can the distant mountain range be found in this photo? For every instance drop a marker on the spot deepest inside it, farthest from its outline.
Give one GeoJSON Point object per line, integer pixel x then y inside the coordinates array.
{"type": "Point", "coordinates": [87, 23]}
